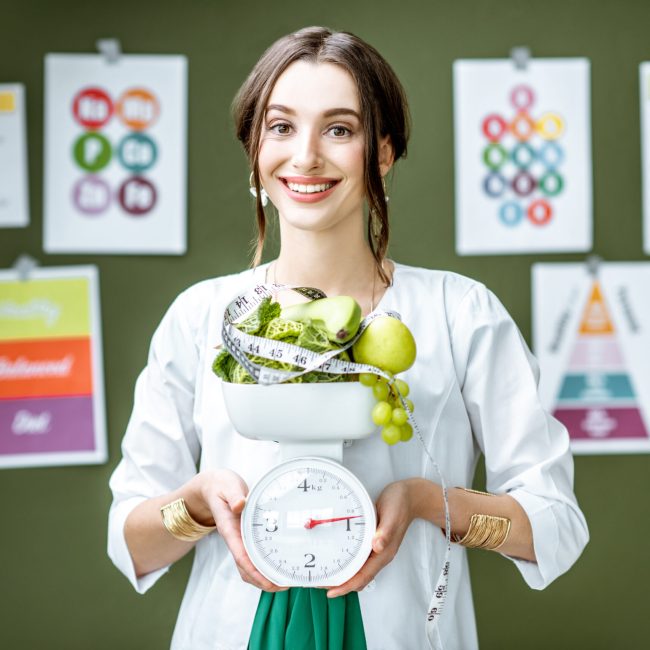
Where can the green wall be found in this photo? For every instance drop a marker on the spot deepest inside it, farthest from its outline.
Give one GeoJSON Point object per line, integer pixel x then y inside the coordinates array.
{"type": "Point", "coordinates": [57, 587]}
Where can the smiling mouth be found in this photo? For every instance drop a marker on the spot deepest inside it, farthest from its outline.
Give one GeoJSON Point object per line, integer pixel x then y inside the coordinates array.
{"type": "Point", "coordinates": [309, 188]}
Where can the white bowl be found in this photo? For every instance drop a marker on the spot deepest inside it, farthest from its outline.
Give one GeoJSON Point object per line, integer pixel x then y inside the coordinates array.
{"type": "Point", "coordinates": [301, 412]}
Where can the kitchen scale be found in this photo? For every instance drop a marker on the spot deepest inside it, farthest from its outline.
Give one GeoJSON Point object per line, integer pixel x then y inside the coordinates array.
{"type": "Point", "coordinates": [309, 521]}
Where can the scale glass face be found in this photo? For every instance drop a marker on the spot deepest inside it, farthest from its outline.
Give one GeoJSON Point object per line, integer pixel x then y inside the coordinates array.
{"type": "Point", "coordinates": [308, 522]}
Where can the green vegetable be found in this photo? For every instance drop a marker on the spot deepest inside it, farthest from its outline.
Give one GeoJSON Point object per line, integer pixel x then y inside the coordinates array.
{"type": "Point", "coordinates": [265, 321]}
{"type": "Point", "coordinates": [266, 312]}
{"type": "Point", "coordinates": [279, 328]}
{"type": "Point", "coordinates": [223, 365]}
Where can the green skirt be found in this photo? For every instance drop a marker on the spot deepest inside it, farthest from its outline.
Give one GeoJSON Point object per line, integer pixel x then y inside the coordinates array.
{"type": "Point", "coordinates": [306, 619]}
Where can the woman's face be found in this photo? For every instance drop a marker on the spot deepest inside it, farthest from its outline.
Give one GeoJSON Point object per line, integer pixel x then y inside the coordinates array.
{"type": "Point", "coordinates": [311, 158]}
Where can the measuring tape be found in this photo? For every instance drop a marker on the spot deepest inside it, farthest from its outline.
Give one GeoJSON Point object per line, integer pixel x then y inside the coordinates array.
{"type": "Point", "coordinates": [241, 345]}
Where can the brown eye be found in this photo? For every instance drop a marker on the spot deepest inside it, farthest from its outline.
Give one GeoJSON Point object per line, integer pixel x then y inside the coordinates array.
{"type": "Point", "coordinates": [339, 131]}
{"type": "Point", "coordinates": [281, 128]}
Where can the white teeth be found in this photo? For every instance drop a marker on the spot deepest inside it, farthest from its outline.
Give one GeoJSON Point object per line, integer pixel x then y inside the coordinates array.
{"type": "Point", "coordinates": [309, 189]}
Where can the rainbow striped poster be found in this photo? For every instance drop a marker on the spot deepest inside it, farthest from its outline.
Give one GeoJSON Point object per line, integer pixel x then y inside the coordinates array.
{"type": "Point", "coordinates": [592, 340]}
{"type": "Point", "coordinates": [523, 156]}
{"type": "Point", "coordinates": [51, 378]}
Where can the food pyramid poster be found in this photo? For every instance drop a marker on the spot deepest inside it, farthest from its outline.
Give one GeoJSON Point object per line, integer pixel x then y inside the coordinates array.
{"type": "Point", "coordinates": [591, 338]}
{"type": "Point", "coordinates": [522, 156]}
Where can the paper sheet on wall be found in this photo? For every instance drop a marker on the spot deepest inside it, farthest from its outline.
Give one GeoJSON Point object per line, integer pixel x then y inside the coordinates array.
{"type": "Point", "coordinates": [51, 378]}
{"type": "Point", "coordinates": [115, 154]}
{"type": "Point", "coordinates": [523, 156]}
{"type": "Point", "coordinates": [592, 339]}
{"type": "Point", "coordinates": [644, 92]}
{"type": "Point", "coordinates": [14, 196]}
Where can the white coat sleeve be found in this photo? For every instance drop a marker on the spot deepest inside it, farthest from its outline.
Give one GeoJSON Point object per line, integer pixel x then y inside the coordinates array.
{"type": "Point", "coordinates": [526, 450]}
{"type": "Point", "coordinates": [160, 448]}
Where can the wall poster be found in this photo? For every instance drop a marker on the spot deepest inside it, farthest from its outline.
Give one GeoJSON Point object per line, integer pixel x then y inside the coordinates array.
{"type": "Point", "coordinates": [523, 156]}
{"type": "Point", "coordinates": [591, 334]}
{"type": "Point", "coordinates": [14, 195]}
{"type": "Point", "coordinates": [115, 154]}
{"type": "Point", "coordinates": [51, 378]}
{"type": "Point", "coordinates": [644, 86]}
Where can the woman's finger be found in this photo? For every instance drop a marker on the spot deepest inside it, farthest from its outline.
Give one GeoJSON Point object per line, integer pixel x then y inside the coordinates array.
{"type": "Point", "coordinates": [227, 503]}
{"type": "Point", "coordinates": [234, 492]}
{"type": "Point", "coordinates": [374, 564]}
{"type": "Point", "coordinates": [385, 544]}
{"type": "Point", "coordinates": [381, 539]}
{"type": "Point", "coordinates": [232, 537]}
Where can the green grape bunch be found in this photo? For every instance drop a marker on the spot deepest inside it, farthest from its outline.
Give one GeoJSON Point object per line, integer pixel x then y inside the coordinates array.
{"type": "Point", "coordinates": [388, 412]}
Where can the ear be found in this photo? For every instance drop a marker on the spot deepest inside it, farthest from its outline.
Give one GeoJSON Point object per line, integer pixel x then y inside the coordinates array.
{"type": "Point", "coordinates": [386, 155]}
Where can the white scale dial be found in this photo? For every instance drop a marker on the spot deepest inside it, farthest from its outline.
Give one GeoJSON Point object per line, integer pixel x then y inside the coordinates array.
{"type": "Point", "coordinates": [309, 522]}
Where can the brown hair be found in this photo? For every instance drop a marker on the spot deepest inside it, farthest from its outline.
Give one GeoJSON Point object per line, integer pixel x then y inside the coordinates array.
{"type": "Point", "coordinates": [384, 111]}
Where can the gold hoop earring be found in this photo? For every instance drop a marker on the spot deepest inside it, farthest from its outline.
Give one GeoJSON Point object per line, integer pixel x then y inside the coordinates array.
{"type": "Point", "coordinates": [264, 197]}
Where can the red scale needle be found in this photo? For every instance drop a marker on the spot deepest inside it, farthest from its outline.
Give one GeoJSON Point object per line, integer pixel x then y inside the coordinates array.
{"type": "Point", "coordinates": [310, 523]}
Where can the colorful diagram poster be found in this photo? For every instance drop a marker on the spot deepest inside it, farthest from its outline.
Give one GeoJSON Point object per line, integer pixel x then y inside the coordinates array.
{"type": "Point", "coordinates": [523, 156]}
{"type": "Point", "coordinates": [644, 87]}
{"type": "Point", "coordinates": [51, 378]}
{"type": "Point", "coordinates": [14, 197]}
{"type": "Point", "coordinates": [592, 339]}
{"type": "Point", "coordinates": [115, 154]}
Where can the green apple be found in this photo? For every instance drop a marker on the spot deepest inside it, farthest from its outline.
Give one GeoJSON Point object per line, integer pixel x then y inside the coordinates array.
{"type": "Point", "coordinates": [387, 344]}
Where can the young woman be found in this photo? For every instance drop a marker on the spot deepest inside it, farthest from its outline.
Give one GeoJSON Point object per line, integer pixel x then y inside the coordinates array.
{"type": "Point", "coordinates": [323, 118]}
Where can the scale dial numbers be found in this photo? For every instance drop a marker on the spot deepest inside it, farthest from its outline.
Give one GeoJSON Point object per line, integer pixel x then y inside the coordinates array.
{"type": "Point", "coordinates": [308, 522]}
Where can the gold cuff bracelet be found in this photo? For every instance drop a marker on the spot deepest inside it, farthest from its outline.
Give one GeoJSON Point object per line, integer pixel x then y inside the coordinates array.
{"type": "Point", "coordinates": [488, 532]}
{"type": "Point", "coordinates": [485, 531]}
{"type": "Point", "coordinates": [178, 521]}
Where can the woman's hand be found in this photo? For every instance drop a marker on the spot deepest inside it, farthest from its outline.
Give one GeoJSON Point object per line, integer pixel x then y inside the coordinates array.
{"type": "Point", "coordinates": [395, 512]}
{"type": "Point", "coordinates": [211, 497]}
{"type": "Point", "coordinates": [224, 493]}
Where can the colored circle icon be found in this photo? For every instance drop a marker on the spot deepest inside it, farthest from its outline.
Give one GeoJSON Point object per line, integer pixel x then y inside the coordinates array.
{"type": "Point", "coordinates": [550, 126]}
{"type": "Point", "coordinates": [494, 126]}
{"type": "Point", "coordinates": [494, 184]}
{"type": "Point", "coordinates": [523, 184]}
{"type": "Point", "coordinates": [523, 155]}
{"type": "Point", "coordinates": [551, 154]}
{"type": "Point", "coordinates": [91, 195]}
{"type": "Point", "coordinates": [511, 213]}
{"type": "Point", "coordinates": [137, 152]}
{"type": "Point", "coordinates": [551, 183]}
{"type": "Point", "coordinates": [137, 196]}
{"type": "Point", "coordinates": [92, 151]}
{"type": "Point", "coordinates": [522, 126]}
{"type": "Point", "coordinates": [522, 97]}
{"type": "Point", "coordinates": [137, 108]}
{"type": "Point", "coordinates": [92, 108]}
{"type": "Point", "coordinates": [539, 212]}
{"type": "Point", "coordinates": [494, 155]}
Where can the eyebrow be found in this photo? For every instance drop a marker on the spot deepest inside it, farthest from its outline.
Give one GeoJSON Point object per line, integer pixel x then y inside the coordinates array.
{"type": "Point", "coordinates": [328, 113]}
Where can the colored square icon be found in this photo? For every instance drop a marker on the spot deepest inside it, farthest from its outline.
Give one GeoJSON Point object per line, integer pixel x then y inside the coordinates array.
{"type": "Point", "coordinates": [7, 102]}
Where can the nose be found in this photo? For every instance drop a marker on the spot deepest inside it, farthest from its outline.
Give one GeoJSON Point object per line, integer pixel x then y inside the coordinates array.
{"type": "Point", "coordinates": [307, 154]}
